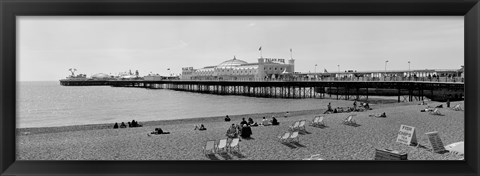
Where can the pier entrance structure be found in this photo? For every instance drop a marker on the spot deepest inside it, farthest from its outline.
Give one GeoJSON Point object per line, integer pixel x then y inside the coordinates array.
{"type": "Point", "coordinates": [236, 69]}
{"type": "Point", "coordinates": [405, 91]}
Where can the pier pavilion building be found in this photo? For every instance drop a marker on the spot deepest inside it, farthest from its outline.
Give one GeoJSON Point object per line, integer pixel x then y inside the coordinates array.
{"type": "Point", "coordinates": [236, 69]}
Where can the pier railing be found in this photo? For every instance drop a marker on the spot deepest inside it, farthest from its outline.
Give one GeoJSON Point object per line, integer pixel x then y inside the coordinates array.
{"type": "Point", "coordinates": [352, 79]}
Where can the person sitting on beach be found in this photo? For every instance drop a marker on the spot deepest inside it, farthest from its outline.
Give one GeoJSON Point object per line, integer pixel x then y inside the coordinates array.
{"type": "Point", "coordinates": [129, 125]}
{"type": "Point", "coordinates": [202, 127]}
{"type": "Point", "coordinates": [115, 126]}
{"type": "Point", "coordinates": [286, 114]}
{"type": "Point", "coordinates": [367, 106]}
{"type": "Point", "coordinates": [265, 122]}
{"type": "Point", "coordinates": [246, 131]}
{"type": "Point", "coordinates": [274, 121]}
{"type": "Point", "coordinates": [243, 122]}
{"type": "Point", "coordinates": [335, 110]}
{"type": "Point", "coordinates": [251, 122]}
{"type": "Point", "coordinates": [232, 131]}
{"type": "Point", "coordinates": [123, 125]}
{"type": "Point", "coordinates": [227, 119]}
{"type": "Point", "coordinates": [329, 107]}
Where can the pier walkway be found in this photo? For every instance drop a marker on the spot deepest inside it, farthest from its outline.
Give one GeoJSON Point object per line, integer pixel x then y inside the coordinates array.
{"type": "Point", "coordinates": [339, 89]}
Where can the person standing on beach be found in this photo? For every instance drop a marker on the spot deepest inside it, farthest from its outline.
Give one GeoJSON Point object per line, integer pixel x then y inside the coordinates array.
{"type": "Point", "coordinates": [355, 105]}
{"type": "Point", "coordinates": [329, 107]}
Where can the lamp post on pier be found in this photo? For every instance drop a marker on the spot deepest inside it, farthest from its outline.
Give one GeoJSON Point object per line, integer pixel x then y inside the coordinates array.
{"type": "Point", "coordinates": [409, 70]}
{"type": "Point", "coordinates": [385, 76]}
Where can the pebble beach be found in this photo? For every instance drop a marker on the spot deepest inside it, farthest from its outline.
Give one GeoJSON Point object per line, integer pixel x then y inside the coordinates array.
{"type": "Point", "coordinates": [336, 141]}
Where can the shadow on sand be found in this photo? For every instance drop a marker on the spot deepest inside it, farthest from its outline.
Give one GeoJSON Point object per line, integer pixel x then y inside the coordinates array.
{"type": "Point", "coordinates": [353, 125]}
{"type": "Point", "coordinates": [304, 132]}
{"type": "Point", "coordinates": [225, 156]}
{"type": "Point", "coordinates": [290, 145]}
{"type": "Point", "coordinates": [212, 157]}
{"type": "Point", "coordinates": [237, 154]}
{"type": "Point", "coordinates": [297, 144]}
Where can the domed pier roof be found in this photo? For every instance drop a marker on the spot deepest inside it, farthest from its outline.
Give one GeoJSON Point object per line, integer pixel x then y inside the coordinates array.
{"type": "Point", "coordinates": [231, 63]}
{"type": "Point", "coordinates": [100, 75]}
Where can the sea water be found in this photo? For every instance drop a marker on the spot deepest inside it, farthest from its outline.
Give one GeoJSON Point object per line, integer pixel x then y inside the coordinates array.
{"type": "Point", "coordinates": [48, 104]}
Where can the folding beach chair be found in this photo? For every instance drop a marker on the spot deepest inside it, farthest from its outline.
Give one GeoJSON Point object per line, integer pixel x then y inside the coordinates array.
{"type": "Point", "coordinates": [320, 122]}
{"type": "Point", "coordinates": [349, 120]}
{"type": "Point", "coordinates": [457, 107]}
{"type": "Point", "coordinates": [284, 137]}
{"type": "Point", "coordinates": [209, 148]}
{"type": "Point", "coordinates": [301, 126]}
{"type": "Point", "coordinates": [293, 137]}
{"type": "Point", "coordinates": [235, 144]}
{"type": "Point", "coordinates": [314, 121]}
{"type": "Point", "coordinates": [436, 112]}
{"type": "Point", "coordinates": [222, 146]}
{"type": "Point", "coordinates": [294, 126]}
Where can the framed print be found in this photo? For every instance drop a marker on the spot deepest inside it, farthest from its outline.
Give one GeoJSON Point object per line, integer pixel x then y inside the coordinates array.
{"type": "Point", "coordinates": [255, 87]}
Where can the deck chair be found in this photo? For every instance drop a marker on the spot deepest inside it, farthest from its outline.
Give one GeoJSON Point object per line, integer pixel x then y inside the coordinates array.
{"type": "Point", "coordinates": [222, 146]}
{"type": "Point", "coordinates": [320, 122]}
{"type": "Point", "coordinates": [294, 126]}
{"type": "Point", "coordinates": [457, 107]}
{"type": "Point", "coordinates": [294, 137]}
{"type": "Point", "coordinates": [314, 121]}
{"type": "Point", "coordinates": [301, 126]}
{"type": "Point", "coordinates": [234, 144]}
{"type": "Point", "coordinates": [349, 120]}
{"type": "Point", "coordinates": [209, 148]}
{"type": "Point", "coordinates": [436, 112]}
{"type": "Point", "coordinates": [284, 137]}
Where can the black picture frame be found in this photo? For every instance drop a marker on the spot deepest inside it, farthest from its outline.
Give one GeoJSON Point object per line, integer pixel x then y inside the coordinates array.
{"type": "Point", "coordinates": [470, 9]}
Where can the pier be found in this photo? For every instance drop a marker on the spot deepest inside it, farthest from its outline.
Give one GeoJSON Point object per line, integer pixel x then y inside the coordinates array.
{"type": "Point", "coordinates": [347, 90]}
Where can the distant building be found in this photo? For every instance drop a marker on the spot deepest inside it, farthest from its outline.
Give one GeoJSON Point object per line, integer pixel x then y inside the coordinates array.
{"type": "Point", "coordinates": [236, 69]}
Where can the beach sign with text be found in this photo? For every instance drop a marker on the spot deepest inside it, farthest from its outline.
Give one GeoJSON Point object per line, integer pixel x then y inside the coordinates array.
{"type": "Point", "coordinates": [407, 135]}
{"type": "Point", "coordinates": [437, 144]}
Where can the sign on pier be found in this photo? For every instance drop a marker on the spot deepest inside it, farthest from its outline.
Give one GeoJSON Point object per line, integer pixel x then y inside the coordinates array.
{"type": "Point", "coordinates": [407, 135]}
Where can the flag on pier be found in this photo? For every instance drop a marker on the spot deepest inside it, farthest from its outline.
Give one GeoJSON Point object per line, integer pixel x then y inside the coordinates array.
{"type": "Point", "coordinates": [325, 70]}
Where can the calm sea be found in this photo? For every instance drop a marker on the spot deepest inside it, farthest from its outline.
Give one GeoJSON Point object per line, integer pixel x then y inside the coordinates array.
{"type": "Point", "coordinates": [47, 104]}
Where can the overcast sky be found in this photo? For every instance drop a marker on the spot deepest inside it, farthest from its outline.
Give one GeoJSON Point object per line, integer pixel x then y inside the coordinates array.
{"type": "Point", "coordinates": [48, 46]}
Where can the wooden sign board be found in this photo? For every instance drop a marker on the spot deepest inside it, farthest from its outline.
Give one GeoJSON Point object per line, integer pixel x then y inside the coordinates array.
{"type": "Point", "coordinates": [389, 155]}
{"type": "Point", "coordinates": [407, 135]}
{"type": "Point", "coordinates": [437, 144]}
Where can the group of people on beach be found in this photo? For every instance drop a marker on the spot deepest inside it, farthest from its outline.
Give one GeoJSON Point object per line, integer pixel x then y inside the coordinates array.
{"type": "Point", "coordinates": [158, 131]}
{"type": "Point", "coordinates": [363, 107]}
{"type": "Point", "coordinates": [130, 125]}
{"type": "Point", "coordinates": [244, 130]}
{"type": "Point", "coordinates": [265, 122]}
